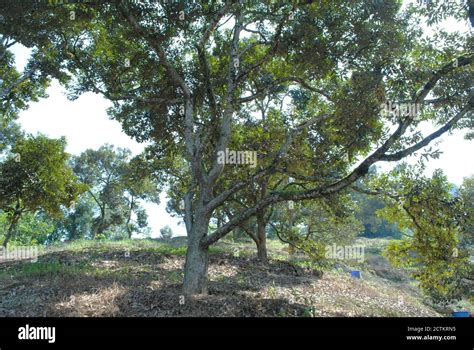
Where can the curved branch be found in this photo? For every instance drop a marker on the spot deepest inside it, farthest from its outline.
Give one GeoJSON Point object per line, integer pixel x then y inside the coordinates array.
{"type": "Point", "coordinates": [402, 154]}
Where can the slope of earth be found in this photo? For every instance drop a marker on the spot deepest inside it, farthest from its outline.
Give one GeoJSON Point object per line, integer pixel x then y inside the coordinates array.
{"type": "Point", "coordinates": [143, 278]}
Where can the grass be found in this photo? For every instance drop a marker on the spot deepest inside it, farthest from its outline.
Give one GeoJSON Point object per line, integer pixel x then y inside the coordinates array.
{"type": "Point", "coordinates": [150, 245]}
{"type": "Point", "coordinates": [44, 269]}
{"type": "Point", "coordinates": [95, 250]}
{"type": "Point", "coordinates": [130, 244]}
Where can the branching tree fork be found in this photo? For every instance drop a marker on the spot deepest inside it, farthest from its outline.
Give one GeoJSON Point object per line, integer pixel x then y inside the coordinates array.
{"type": "Point", "coordinates": [192, 81]}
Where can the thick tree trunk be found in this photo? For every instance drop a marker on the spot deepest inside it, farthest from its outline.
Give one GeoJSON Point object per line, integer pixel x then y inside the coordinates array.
{"type": "Point", "coordinates": [262, 251]}
{"type": "Point", "coordinates": [261, 238]}
{"type": "Point", "coordinates": [236, 234]}
{"type": "Point", "coordinates": [11, 229]}
{"type": "Point", "coordinates": [195, 269]}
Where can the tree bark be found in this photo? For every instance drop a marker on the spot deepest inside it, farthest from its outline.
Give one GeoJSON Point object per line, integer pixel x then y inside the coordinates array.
{"type": "Point", "coordinates": [11, 229]}
{"type": "Point", "coordinates": [261, 238]}
{"type": "Point", "coordinates": [235, 234]}
{"type": "Point", "coordinates": [73, 235]}
{"type": "Point", "coordinates": [99, 227]}
{"type": "Point", "coordinates": [197, 255]}
{"type": "Point", "coordinates": [129, 218]}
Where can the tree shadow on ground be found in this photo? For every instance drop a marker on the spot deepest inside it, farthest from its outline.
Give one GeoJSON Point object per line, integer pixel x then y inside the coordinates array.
{"type": "Point", "coordinates": [146, 283]}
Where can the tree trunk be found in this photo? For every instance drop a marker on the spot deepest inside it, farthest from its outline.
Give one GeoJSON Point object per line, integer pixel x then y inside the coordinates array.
{"type": "Point", "coordinates": [261, 238]}
{"type": "Point", "coordinates": [291, 250]}
{"type": "Point", "coordinates": [236, 234]}
{"type": "Point", "coordinates": [99, 227]}
{"type": "Point", "coordinates": [11, 229]}
{"type": "Point", "coordinates": [129, 218]}
{"type": "Point", "coordinates": [73, 229]}
{"type": "Point", "coordinates": [127, 225]}
{"type": "Point", "coordinates": [291, 247]}
{"type": "Point", "coordinates": [262, 251]}
{"type": "Point", "coordinates": [195, 269]}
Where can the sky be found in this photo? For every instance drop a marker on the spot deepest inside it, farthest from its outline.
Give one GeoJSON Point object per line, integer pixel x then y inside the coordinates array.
{"type": "Point", "coordinates": [85, 124]}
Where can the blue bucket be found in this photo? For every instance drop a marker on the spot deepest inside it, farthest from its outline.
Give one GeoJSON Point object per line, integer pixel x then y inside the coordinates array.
{"type": "Point", "coordinates": [355, 274]}
{"type": "Point", "coordinates": [461, 314]}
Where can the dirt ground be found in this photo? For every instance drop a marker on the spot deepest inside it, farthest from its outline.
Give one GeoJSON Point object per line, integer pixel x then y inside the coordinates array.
{"type": "Point", "coordinates": [91, 283]}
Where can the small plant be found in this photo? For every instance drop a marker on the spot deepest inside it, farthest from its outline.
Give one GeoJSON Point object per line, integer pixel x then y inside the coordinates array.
{"type": "Point", "coordinates": [309, 312]}
{"type": "Point", "coordinates": [272, 292]}
{"type": "Point", "coordinates": [175, 277]}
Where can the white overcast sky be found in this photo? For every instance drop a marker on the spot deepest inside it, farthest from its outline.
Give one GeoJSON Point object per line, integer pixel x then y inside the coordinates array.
{"type": "Point", "coordinates": [85, 124]}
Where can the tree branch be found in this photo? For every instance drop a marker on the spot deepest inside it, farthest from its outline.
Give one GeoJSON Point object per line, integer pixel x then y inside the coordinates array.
{"type": "Point", "coordinates": [449, 125]}
{"type": "Point", "coordinates": [358, 172]}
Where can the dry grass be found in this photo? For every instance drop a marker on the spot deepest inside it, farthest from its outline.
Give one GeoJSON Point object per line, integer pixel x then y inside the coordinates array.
{"type": "Point", "coordinates": [100, 280]}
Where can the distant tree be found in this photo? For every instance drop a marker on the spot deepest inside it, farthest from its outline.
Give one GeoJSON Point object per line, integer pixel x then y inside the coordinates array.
{"type": "Point", "coordinates": [374, 224]}
{"type": "Point", "coordinates": [36, 177]}
{"type": "Point", "coordinates": [262, 140]}
{"type": "Point", "coordinates": [138, 185]}
{"type": "Point", "coordinates": [117, 185]}
{"type": "Point", "coordinates": [10, 132]}
{"type": "Point", "coordinates": [102, 170]}
{"type": "Point", "coordinates": [312, 226]}
{"type": "Point", "coordinates": [77, 220]}
{"type": "Point", "coordinates": [166, 232]}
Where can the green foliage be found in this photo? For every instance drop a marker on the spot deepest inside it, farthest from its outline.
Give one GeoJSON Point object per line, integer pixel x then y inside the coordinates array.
{"type": "Point", "coordinates": [32, 229]}
{"type": "Point", "coordinates": [428, 208]}
{"type": "Point", "coordinates": [18, 89]}
{"type": "Point", "coordinates": [312, 226]}
{"type": "Point", "coordinates": [77, 221]}
{"type": "Point", "coordinates": [367, 212]}
{"type": "Point", "coordinates": [374, 224]}
{"type": "Point", "coordinates": [296, 62]}
{"type": "Point", "coordinates": [36, 177]}
{"type": "Point", "coordinates": [117, 185]}
{"type": "Point", "coordinates": [10, 133]}
{"type": "Point", "coordinates": [166, 232]}
{"type": "Point", "coordinates": [467, 194]}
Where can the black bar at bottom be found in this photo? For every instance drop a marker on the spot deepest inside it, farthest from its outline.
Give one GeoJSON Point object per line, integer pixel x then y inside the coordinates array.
{"type": "Point", "coordinates": [433, 333]}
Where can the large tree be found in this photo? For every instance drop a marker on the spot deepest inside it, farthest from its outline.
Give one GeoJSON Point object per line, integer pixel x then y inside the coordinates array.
{"type": "Point", "coordinates": [36, 177]}
{"type": "Point", "coordinates": [184, 76]}
{"type": "Point", "coordinates": [77, 221]}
